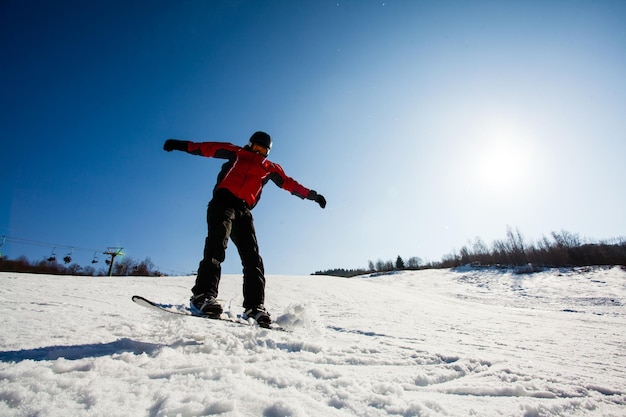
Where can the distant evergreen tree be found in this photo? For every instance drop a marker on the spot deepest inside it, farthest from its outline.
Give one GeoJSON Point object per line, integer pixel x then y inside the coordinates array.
{"type": "Point", "coordinates": [399, 263]}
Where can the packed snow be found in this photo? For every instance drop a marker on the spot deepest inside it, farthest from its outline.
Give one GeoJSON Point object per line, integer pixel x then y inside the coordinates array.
{"type": "Point", "coordinates": [462, 342]}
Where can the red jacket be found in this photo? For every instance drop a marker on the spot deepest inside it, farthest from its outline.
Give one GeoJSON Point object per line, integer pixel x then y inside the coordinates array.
{"type": "Point", "coordinates": [246, 172]}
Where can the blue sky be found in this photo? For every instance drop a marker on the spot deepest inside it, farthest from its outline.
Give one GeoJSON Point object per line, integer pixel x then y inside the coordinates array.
{"type": "Point", "coordinates": [424, 124]}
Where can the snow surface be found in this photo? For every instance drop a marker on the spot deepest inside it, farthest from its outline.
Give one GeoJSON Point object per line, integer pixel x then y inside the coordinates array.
{"type": "Point", "coordinates": [425, 343]}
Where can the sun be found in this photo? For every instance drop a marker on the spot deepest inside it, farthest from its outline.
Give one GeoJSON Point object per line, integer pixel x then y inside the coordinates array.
{"type": "Point", "coordinates": [503, 160]}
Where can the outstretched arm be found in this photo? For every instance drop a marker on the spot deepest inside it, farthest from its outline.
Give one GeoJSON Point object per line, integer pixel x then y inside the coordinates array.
{"type": "Point", "coordinates": [294, 187]}
{"type": "Point", "coordinates": [208, 149]}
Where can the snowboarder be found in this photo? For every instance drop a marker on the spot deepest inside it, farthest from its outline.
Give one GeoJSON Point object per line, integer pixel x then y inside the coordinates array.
{"type": "Point", "coordinates": [237, 191]}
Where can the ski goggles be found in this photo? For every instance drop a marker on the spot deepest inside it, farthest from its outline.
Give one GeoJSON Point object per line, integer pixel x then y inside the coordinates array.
{"type": "Point", "coordinates": [260, 149]}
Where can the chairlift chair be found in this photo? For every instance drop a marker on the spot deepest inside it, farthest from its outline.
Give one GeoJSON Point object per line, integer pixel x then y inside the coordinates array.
{"type": "Point", "coordinates": [68, 258]}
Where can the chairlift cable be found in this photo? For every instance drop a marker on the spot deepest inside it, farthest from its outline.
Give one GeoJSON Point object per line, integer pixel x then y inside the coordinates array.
{"type": "Point", "coordinates": [44, 244]}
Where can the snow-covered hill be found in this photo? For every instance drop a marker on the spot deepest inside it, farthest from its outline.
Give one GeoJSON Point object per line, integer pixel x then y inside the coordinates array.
{"type": "Point", "coordinates": [424, 343]}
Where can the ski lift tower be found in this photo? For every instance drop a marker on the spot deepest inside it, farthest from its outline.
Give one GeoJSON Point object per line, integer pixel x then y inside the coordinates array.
{"type": "Point", "coordinates": [112, 252]}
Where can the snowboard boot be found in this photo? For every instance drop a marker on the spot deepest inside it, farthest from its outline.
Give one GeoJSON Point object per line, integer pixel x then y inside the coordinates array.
{"type": "Point", "coordinates": [259, 314]}
{"type": "Point", "coordinates": [205, 305]}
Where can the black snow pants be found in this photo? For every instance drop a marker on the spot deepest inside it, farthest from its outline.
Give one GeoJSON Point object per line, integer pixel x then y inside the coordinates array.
{"type": "Point", "coordinates": [229, 217]}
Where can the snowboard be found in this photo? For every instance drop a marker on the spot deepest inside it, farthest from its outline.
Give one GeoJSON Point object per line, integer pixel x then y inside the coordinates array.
{"type": "Point", "coordinates": [184, 310]}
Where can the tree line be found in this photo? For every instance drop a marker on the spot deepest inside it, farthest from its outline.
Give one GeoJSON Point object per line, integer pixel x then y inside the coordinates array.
{"type": "Point", "coordinates": [560, 249]}
{"type": "Point", "coordinates": [399, 264]}
{"type": "Point", "coordinates": [125, 267]}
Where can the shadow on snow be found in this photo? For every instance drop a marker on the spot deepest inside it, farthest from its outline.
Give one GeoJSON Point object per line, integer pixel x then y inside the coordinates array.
{"type": "Point", "coordinates": [75, 352]}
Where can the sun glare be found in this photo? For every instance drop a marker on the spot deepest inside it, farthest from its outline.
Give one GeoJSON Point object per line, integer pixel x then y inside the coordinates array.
{"type": "Point", "coordinates": [503, 161]}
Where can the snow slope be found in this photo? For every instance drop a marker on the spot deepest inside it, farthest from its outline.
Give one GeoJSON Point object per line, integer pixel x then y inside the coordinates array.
{"type": "Point", "coordinates": [424, 343]}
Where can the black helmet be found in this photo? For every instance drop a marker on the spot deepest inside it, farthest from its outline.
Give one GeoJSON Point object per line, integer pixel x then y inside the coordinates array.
{"type": "Point", "coordinates": [261, 138]}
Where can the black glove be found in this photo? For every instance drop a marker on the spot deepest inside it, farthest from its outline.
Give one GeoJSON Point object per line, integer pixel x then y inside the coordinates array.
{"type": "Point", "coordinates": [318, 198]}
{"type": "Point", "coordinates": [175, 145]}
